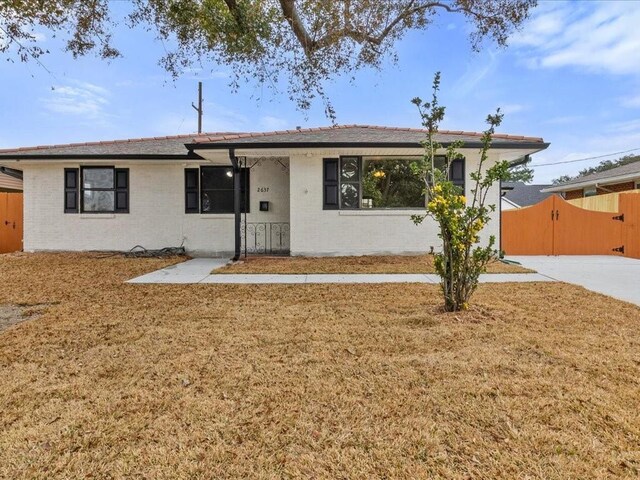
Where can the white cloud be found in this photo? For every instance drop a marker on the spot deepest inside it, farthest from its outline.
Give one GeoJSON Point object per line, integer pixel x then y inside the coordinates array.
{"type": "Point", "coordinates": [513, 108]}
{"type": "Point", "coordinates": [476, 71]}
{"type": "Point", "coordinates": [565, 120]}
{"type": "Point", "coordinates": [599, 37]}
{"type": "Point", "coordinates": [269, 122]}
{"type": "Point", "coordinates": [78, 98]}
{"type": "Point", "coordinates": [37, 37]}
{"type": "Point", "coordinates": [632, 101]}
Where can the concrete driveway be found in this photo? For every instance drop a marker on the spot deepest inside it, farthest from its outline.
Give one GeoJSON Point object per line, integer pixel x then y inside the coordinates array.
{"type": "Point", "coordinates": [618, 277]}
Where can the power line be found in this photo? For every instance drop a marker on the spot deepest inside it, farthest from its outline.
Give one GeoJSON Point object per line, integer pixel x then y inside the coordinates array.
{"type": "Point", "coordinates": [583, 159]}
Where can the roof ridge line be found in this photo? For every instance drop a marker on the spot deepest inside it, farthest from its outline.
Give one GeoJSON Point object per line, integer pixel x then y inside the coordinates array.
{"type": "Point", "coordinates": [238, 136]}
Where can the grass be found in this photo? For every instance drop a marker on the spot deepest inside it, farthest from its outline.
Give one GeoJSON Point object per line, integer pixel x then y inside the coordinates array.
{"type": "Point", "coordinates": [112, 380]}
{"type": "Point", "coordinates": [360, 264]}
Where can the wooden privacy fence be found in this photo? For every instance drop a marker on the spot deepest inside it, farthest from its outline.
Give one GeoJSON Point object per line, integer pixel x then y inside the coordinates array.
{"type": "Point", "coordinates": [556, 227]}
{"type": "Point", "coordinates": [608, 202]}
{"type": "Point", "coordinates": [10, 222]}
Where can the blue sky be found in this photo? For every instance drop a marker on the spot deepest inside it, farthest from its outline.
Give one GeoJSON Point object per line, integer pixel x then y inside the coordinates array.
{"type": "Point", "coordinates": [572, 76]}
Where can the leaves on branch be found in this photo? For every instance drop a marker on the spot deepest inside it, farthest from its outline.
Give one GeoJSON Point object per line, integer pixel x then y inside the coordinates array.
{"type": "Point", "coordinates": [308, 42]}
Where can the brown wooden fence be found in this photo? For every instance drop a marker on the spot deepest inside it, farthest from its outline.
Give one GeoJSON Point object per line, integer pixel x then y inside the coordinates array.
{"type": "Point", "coordinates": [11, 222]}
{"type": "Point", "coordinates": [555, 227]}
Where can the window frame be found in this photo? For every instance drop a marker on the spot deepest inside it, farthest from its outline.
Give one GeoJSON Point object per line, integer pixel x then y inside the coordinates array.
{"type": "Point", "coordinates": [245, 186]}
{"type": "Point", "coordinates": [360, 160]}
{"type": "Point", "coordinates": [115, 189]}
{"type": "Point", "coordinates": [357, 182]}
{"type": "Point", "coordinates": [593, 192]}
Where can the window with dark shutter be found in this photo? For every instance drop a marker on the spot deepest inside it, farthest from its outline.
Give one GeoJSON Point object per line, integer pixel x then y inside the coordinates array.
{"type": "Point", "coordinates": [122, 190]}
{"type": "Point", "coordinates": [191, 188]}
{"type": "Point", "coordinates": [331, 191]}
{"type": "Point", "coordinates": [71, 190]}
{"type": "Point", "coordinates": [384, 182]}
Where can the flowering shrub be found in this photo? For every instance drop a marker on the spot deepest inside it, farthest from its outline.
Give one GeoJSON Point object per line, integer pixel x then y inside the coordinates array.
{"type": "Point", "coordinates": [463, 258]}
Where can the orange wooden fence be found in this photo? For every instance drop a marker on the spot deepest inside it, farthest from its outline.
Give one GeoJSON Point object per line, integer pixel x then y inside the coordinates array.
{"type": "Point", "coordinates": [10, 222]}
{"type": "Point", "coordinates": [555, 227]}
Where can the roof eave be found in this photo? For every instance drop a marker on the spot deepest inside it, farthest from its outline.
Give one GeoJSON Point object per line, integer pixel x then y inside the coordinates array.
{"type": "Point", "coordinates": [578, 185]}
{"type": "Point", "coordinates": [101, 156]}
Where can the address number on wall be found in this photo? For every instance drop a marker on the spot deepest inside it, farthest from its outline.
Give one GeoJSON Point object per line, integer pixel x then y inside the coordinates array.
{"type": "Point", "coordinates": [263, 189]}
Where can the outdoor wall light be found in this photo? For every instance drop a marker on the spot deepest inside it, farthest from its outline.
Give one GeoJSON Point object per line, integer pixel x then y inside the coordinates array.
{"type": "Point", "coordinates": [264, 206]}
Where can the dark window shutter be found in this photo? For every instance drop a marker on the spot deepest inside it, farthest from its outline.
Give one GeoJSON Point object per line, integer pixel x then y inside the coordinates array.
{"type": "Point", "coordinates": [191, 196]}
{"type": "Point", "coordinates": [122, 190]}
{"type": "Point", "coordinates": [457, 173]}
{"type": "Point", "coordinates": [330, 186]}
{"type": "Point", "coordinates": [71, 189]}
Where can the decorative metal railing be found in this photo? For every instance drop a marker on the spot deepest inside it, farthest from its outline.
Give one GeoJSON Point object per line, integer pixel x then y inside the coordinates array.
{"type": "Point", "coordinates": [266, 238]}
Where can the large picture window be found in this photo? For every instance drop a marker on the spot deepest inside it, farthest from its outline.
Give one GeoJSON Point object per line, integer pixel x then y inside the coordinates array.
{"type": "Point", "coordinates": [379, 182]}
{"type": "Point", "coordinates": [391, 183]}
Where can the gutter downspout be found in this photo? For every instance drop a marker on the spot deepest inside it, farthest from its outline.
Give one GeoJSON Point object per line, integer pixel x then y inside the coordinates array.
{"type": "Point", "coordinates": [236, 202]}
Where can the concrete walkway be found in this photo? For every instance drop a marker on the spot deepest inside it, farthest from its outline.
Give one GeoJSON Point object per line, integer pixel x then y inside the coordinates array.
{"type": "Point", "coordinates": [199, 270]}
{"type": "Point", "coordinates": [618, 277]}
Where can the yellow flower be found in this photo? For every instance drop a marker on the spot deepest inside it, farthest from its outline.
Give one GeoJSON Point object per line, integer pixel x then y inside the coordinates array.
{"type": "Point", "coordinates": [379, 174]}
{"type": "Point", "coordinates": [462, 199]}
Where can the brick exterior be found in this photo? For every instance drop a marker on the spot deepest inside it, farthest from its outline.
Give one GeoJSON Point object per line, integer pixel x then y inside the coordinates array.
{"type": "Point", "coordinates": [573, 194]}
{"type": "Point", "coordinates": [157, 210]}
{"type": "Point", "coordinates": [617, 187]}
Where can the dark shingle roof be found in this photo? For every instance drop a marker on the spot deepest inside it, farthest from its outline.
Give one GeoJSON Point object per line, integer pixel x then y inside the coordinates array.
{"type": "Point", "coordinates": [357, 134]}
{"type": "Point", "coordinates": [171, 145]}
{"type": "Point", "coordinates": [347, 134]}
{"type": "Point", "coordinates": [524, 195]}
{"type": "Point", "coordinates": [628, 169]}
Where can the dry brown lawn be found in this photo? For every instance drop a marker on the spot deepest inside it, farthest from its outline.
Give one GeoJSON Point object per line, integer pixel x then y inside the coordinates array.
{"type": "Point", "coordinates": [111, 380]}
{"type": "Point", "coordinates": [362, 264]}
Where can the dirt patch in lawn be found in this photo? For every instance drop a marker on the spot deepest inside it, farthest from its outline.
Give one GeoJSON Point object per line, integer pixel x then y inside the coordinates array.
{"type": "Point", "coordinates": [10, 315]}
{"type": "Point", "coordinates": [311, 381]}
{"type": "Point", "coordinates": [361, 264]}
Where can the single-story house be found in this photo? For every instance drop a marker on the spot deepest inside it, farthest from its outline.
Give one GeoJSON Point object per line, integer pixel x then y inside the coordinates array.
{"type": "Point", "coordinates": [345, 190]}
{"type": "Point", "coordinates": [619, 179]}
{"type": "Point", "coordinates": [520, 194]}
{"type": "Point", "coordinates": [10, 180]}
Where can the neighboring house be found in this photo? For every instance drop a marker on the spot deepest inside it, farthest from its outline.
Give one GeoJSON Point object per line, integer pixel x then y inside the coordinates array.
{"type": "Point", "coordinates": [520, 194]}
{"type": "Point", "coordinates": [10, 180]}
{"type": "Point", "coordinates": [619, 179]}
{"type": "Point", "coordinates": [506, 204]}
{"type": "Point", "coordinates": [344, 190]}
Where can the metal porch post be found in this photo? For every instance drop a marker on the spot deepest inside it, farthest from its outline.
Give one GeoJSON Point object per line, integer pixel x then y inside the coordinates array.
{"type": "Point", "coordinates": [236, 203]}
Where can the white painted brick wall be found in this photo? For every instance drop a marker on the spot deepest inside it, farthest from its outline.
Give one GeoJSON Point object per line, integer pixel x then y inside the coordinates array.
{"type": "Point", "coordinates": [315, 231]}
{"type": "Point", "coordinates": [157, 217]}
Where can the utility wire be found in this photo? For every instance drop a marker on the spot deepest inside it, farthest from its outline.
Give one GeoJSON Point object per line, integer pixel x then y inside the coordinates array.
{"type": "Point", "coordinates": [583, 159]}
